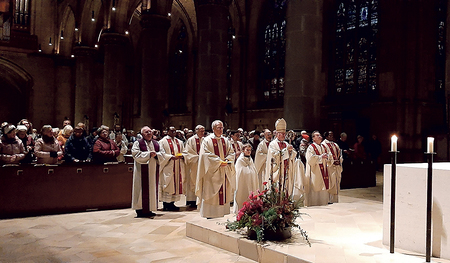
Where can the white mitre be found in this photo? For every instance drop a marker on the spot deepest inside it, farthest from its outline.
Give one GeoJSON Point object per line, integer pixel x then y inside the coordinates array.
{"type": "Point", "coordinates": [280, 125]}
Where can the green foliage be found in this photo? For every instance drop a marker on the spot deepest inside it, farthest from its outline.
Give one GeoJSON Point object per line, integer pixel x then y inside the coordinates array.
{"type": "Point", "coordinates": [269, 209]}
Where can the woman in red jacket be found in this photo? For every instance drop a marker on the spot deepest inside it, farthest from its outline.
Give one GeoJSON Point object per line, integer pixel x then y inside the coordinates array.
{"type": "Point", "coordinates": [105, 149]}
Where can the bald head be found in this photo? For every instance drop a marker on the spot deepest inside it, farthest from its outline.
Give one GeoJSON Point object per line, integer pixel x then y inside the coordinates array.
{"type": "Point", "coordinates": [147, 133]}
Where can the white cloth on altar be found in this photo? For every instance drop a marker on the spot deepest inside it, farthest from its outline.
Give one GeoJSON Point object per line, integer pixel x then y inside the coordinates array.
{"type": "Point", "coordinates": [171, 172]}
{"type": "Point", "coordinates": [335, 170]}
{"type": "Point", "coordinates": [260, 161]}
{"type": "Point", "coordinates": [316, 192]}
{"type": "Point", "coordinates": [191, 160]}
{"type": "Point", "coordinates": [211, 177]}
{"type": "Point", "coordinates": [246, 181]}
{"type": "Point", "coordinates": [143, 158]}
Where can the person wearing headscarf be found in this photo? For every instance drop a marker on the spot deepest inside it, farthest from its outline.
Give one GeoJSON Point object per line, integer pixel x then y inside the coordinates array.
{"type": "Point", "coordinates": [47, 148]}
{"type": "Point", "coordinates": [12, 150]}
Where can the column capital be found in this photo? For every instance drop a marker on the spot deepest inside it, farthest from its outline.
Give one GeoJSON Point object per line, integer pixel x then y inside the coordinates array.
{"type": "Point", "coordinates": [114, 39]}
{"type": "Point", "coordinates": [84, 51]}
{"type": "Point", "coordinates": [213, 2]}
{"type": "Point", "coordinates": [150, 20]}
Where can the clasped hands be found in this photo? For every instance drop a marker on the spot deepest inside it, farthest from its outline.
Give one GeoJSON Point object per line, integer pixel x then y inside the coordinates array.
{"type": "Point", "coordinates": [224, 163]}
{"type": "Point", "coordinates": [176, 157]}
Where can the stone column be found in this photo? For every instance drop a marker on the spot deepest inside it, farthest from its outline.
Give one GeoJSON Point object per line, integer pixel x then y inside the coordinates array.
{"type": "Point", "coordinates": [115, 83]}
{"type": "Point", "coordinates": [85, 90]}
{"type": "Point", "coordinates": [305, 82]}
{"type": "Point", "coordinates": [154, 85]}
{"type": "Point", "coordinates": [211, 89]}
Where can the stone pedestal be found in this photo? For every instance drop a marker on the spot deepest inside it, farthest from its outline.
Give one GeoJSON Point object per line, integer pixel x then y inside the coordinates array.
{"type": "Point", "coordinates": [411, 208]}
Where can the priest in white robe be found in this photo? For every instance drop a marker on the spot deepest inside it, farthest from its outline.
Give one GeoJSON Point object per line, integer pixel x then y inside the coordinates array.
{"type": "Point", "coordinates": [236, 143]}
{"type": "Point", "coordinates": [317, 162]}
{"type": "Point", "coordinates": [171, 170]}
{"type": "Point", "coordinates": [281, 164]}
{"type": "Point", "coordinates": [216, 177]}
{"type": "Point", "coordinates": [246, 177]}
{"type": "Point", "coordinates": [261, 157]}
{"type": "Point", "coordinates": [335, 168]}
{"type": "Point", "coordinates": [191, 151]}
{"type": "Point", "coordinates": [145, 174]}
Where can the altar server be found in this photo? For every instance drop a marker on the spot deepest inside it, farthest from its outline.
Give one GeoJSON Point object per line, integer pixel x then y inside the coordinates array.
{"type": "Point", "coordinates": [246, 177]}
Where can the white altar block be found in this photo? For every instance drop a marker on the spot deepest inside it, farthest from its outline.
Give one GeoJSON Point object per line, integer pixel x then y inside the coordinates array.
{"type": "Point", "coordinates": [411, 208]}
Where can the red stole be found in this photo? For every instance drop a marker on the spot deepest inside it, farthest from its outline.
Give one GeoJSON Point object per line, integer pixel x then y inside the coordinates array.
{"type": "Point", "coordinates": [223, 188]}
{"type": "Point", "coordinates": [180, 182]}
{"type": "Point", "coordinates": [282, 145]}
{"type": "Point", "coordinates": [334, 151]}
{"type": "Point", "coordinates": [323, 169]}
{"type": "Point", "coordinates": [234, 146]}
{"type": "Point", "coordinates": [197, 142]}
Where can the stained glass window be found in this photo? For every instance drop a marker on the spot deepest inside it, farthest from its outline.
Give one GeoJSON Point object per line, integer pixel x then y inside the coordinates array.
{"type": "Point", "coordinates": [273, 62]}
{"type": "Point", "coordinates": [440, 58]}
{"type": "Point", "coordinates": [355, 60]}
{"type": "Point", "coordinates": [178, 59]}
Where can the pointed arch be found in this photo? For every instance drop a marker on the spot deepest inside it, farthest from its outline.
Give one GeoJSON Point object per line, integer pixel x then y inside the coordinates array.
{"type": "Point", "coordinates": [66, 32]}
{"type": "Point", "coordinates": [92, 22]}
{"type": "Point", "coordinates": [16, 88]}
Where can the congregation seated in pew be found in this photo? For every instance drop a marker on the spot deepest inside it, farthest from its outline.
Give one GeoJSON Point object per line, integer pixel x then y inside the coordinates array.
{"type": "Point", "coordinates": [47, 148]}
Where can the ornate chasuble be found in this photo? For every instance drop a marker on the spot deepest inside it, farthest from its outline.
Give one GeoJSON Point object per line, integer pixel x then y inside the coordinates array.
{"type": "Point", "coordinates": [323, 169]}
{"type": "Point", "coordinates": [223, 188]}
{"type": "Point", "coordinates": [144, 176]}
{"type": "Point", "coordinates": [282, 145]}
{"type": "Point", "coordinates": [334, 151]}
{"type": "Point", "coordinates": [179, 189]}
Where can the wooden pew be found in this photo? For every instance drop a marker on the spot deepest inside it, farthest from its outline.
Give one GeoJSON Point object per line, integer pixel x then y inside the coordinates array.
{"type": "Point", "coordinates": [27, 190]}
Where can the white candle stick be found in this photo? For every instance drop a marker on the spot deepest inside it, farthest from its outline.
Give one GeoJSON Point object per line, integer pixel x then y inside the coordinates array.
{"type": "Point", "coordinates": [394, 143]}
{"type": "Point", "coordinates": [430, 145]}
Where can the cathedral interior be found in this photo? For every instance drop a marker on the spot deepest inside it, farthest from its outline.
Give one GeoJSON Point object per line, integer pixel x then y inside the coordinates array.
{"type": "Point", "coordinates": [364, 67]}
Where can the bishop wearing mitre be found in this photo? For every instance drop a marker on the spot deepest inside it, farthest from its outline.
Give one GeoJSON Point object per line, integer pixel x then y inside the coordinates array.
{"type": "Point", "coordinates": [282, 165]}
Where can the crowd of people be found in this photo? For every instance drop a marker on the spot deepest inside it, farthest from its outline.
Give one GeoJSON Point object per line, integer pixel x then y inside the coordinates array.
{"type": "Point", "coordinates": [213, 170]}
{"type": "Point", "coordinates": [23, 144]}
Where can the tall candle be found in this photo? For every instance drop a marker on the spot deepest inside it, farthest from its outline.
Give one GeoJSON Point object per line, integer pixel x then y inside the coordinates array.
{"type": "Point", "coordinates": [394, 143]}
{"type": "Point", "coordinates": [430, 145]}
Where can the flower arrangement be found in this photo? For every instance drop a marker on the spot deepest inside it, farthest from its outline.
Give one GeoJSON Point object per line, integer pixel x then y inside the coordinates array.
{"type": "Point", "coordinates": [269, 210]}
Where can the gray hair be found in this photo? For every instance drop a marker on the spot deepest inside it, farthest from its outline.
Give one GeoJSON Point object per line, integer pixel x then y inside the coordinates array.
{"type": "Point", "coordinates": [198, 127]}
{"type": "Point", "coordinates": [45, 128]}
{"type": "Point", "coordinates": [102, 128]}
{"type": "Point", "coordinates": [145, 127]}
{"type": "Point", "coordinates": [67, 129]}
{"type": "Point", "coordinates": [215, 123]}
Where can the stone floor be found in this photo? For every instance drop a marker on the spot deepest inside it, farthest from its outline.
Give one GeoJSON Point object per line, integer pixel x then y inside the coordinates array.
{"type": "Point", "coordinates": [350, 231]}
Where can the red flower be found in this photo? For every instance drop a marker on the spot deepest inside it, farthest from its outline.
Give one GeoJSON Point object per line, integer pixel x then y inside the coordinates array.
{"type": "Point", "coordinates": [256, 220]}
{"type": "Point", "coordinates": [239, 216]}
